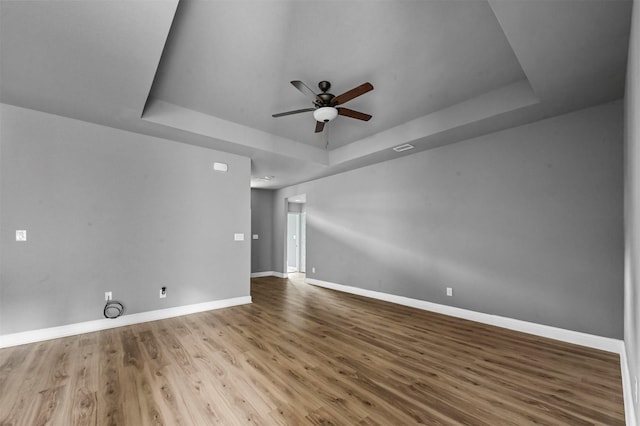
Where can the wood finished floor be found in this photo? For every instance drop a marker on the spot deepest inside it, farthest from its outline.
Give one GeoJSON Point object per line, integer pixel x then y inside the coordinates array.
{"type": "Point", "coordinates": [306, 355]}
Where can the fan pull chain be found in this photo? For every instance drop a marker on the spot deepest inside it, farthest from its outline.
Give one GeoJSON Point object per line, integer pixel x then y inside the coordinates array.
{"type": "Point", "coordinates": [326, 137]}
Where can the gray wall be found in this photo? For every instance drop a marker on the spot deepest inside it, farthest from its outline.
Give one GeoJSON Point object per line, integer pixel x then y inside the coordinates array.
{"type": "Point", "coordinates": [296, 207]}
{"type": "Point", "coordinates": [262, 224]}
{"type": "Point", "coordinates": [108, 210]}
{"type": "Point", "coordinates": [632, 201]}
{"type": "Point", "coordinates": [526, 223]}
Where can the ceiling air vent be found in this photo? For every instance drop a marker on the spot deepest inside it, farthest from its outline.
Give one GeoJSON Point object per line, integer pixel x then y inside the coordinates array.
{"type": "Point", "coordinates": [405, 147]}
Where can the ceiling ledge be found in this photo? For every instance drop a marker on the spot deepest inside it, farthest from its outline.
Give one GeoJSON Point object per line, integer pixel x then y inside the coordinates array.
{"type": "Point", "coordinates": [177, 117]}
{"type": "Point", "coordinates": [418, 131]}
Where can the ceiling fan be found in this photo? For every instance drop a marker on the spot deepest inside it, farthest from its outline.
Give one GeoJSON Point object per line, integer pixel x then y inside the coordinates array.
{"type": "Point", "coordinates": [326, 104]}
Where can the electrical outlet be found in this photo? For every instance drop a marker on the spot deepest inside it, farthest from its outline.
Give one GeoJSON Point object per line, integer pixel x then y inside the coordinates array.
{"type": "Point", "coordinates": [163, 292]}
{"type": "Point", "coordinates": [313, 270]}
{"type": "Point", "coordinates": [108, 296]}
{"type": "Point", "coordinates": [449, 291]}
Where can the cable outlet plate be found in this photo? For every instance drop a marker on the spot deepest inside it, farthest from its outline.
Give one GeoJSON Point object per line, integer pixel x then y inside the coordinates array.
{"type": "Point", "coordinates": [108, 296]}
{"type": "Point", "coordinates": [163, 292]}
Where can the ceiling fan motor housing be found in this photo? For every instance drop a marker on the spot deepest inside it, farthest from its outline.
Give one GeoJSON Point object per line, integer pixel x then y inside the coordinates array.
{"type": "Point", "coordinates": [325, 97]}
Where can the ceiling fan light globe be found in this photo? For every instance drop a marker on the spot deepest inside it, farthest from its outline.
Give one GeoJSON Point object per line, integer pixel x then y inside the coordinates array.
{"type": "Point", "coordinates": [325, 114]}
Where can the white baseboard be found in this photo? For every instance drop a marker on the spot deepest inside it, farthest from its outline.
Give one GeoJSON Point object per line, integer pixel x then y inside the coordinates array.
{"type": "Point", "coordinates": [103, 324]}
{"type": "Point", "coordinates": [268, 274]}
{"type": "Point", "coordinates": [570, 336]}
{"type": "Point", "coordinates": [627, 390]}
{"type": "Point", "coordinates": [262, 274]}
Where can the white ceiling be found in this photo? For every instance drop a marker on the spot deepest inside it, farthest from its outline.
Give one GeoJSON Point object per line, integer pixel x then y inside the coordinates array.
{"type": "Point", "coordinates": [443, 70]}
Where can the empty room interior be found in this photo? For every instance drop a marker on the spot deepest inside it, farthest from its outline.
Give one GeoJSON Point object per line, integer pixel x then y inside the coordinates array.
{"type": "Point", "coordinates": [287, 212]}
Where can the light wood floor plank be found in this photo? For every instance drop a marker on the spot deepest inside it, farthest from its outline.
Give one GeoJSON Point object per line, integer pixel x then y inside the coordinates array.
{"type": "Point", "coordinates": [307, 355]}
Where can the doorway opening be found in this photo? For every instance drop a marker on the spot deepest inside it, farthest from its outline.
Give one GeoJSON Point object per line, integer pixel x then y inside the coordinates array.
{"type": "Point", "coordinates": [296, 235]}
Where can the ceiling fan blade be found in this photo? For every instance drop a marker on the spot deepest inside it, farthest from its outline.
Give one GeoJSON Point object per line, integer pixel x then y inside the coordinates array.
{"type": "Point", "coordinates": [298, 111]}
{"type": "Point", "coordinates": [353, 93]}
{"type": "Point", "coordinates": [353, 114]}
{"type": "Point", "coordinates": [305, 90]}
{"type": "Point", "coordinates": [319, 126]}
